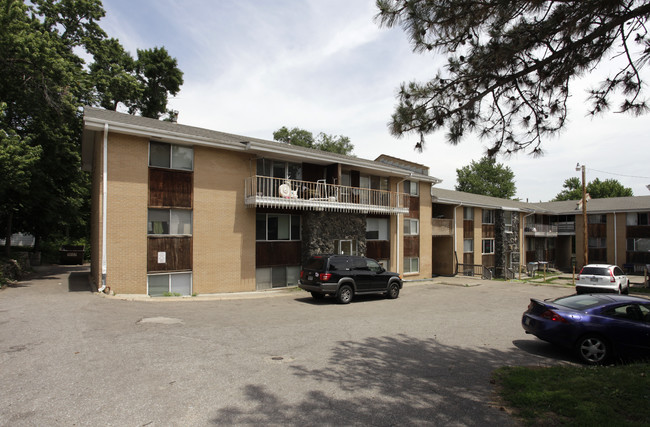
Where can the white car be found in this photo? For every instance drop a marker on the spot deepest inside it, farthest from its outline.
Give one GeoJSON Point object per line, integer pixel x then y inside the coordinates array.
{"type": "Point", "coordinates": [602, 278]}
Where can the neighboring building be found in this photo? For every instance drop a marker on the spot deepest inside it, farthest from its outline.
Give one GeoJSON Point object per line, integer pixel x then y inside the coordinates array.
{"type": "Point", "coordinates": [187, 210]}
{"type": "Point", "coordinates": [191, 211]}
{"type": "Point", "coordinates": [472, 233]}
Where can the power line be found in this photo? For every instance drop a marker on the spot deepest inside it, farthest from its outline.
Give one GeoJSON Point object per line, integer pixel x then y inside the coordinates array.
{"type": "Point", "coordinates": [620, 174]}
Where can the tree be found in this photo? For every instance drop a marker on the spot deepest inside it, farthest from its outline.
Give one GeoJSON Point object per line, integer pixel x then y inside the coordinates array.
{"type": "Point", "coordinates": [43, 88]}
{"type": "Point", "coordinates": [488, 178]}
{"type": "Point", "coordinates": [295, 136]}
{"type": "Point", "coordinates": [510, 64]}
{"type": "Point", "coordinates": [597, 189]}
{"type": "Point", "coordinates": [159, 77]}
{"type": "Point", "coordinates": [334, 144]}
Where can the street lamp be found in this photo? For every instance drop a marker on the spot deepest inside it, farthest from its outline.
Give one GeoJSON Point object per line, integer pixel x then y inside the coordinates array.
{"type": "Point", "coordinates": [584, 214]}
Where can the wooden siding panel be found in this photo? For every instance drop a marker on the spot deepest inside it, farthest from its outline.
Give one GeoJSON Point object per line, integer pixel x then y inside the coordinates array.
{"type": "Point", "coordinates": [468, 229]}
{"type": "Point", "coordinates": [597, 230]}
{"type": "Point", "coordinates": [178, 253]}
{"type": "Point", "coordinates": [414, 207]}
{"type": "Point", "coordinates": [170, 188]}
{"type": "Point", "coordinates": [378, 249]}
{"type": "Point", "coordinates": [273, 254]}
{"type": "Point", "coordinates": [638, 231]}
{"type": "Point", "coordinates": [412, 246]}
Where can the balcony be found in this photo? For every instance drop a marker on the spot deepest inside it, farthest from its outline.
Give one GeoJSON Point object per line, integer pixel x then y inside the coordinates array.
{"type": "Point", "coordinates": [441, 227]}
{"type": "Point", "coordinates": [541, 230]}
{"type": "Point", "coordinates": [268, 192]}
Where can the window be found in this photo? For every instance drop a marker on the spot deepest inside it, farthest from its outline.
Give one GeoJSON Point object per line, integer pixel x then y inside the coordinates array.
{"type": "Point", "coordinates": [171, 156]}
{"type": "Point", "coordinates": [488, 246]}
{"type": "Point", "coordinates": [277, 227]}
{"type": "Point", "coordinates": [176, 283]}
{"type": "Point", "coordinates": [278, 169]}
{"type": "Point", "coordinates": [507, 221]}
{"type": "Point", "coordinates": [488, 216]}
{"type": "Point", "coordinates": [468, 214]}
{"type": "Point", "coordinates": [411, 187]}
{"type": "Point", "coordinates": [638, 244]}
{"type": "Point", "coordinates": [169, 222]}
{"type": "Point", "coordinates": [411, 227]}
{"type": "Point", "coordinates": [376, 228]}
{"type": "Point", "coordinates": [277, 277]}
{"type": "Point", "coordinates": [597, 242]}
{"type": "Point", "coordinates": [412, 265]}
{"type": "Point", "coordinates": [468, 245]}
{"type": "Point", "coordinates": [597, 219]}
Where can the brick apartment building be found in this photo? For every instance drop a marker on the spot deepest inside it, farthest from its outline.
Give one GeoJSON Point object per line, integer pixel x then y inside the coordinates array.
{"type": "Point", "coordinates": [187, 210]}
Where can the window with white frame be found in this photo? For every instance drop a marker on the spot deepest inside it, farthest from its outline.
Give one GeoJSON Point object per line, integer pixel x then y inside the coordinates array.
{"type": "Point", "coordinates": [637, 218]}
{"type": "Point", "coordinates": [488, 216]}
{"type": "Point", "coordinates": [468, 245]}
{"type": "Point", "coordinates": [468, 214]}
{"type": "Point", "coordinates": [277, 227]}
{"type": "Point", "coordinates": [169, 284]}
{"type": "Point", "coordinates": [507, 221]}
{"type": "Point", "coordinates": [169, 222]}
{"type": "Point", "coordinates": [411, 187]}
{"type": "Point", "coordinates": [488, 246]}
{"type": "Point", "coordinates": [171, 156]}
{"type": "Point", "coordinates": [640, 244]}
{"type": "Point", "coordinates": [411, 227]}
{"type": "Point", "coordinates": [376, 228]}
{"type": "Point", "coordinates": [411, 265]}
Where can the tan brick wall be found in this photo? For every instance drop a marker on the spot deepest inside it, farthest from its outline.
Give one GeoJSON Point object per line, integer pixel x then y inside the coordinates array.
{"type": "Point", "coordinates": [224, 228]}
{"type": "Point", "coordinates": [616, 238]}
{"type": "Point", "coordinates": [478, 236]}
{"type": "Point", "coordinates": [127, 214]}
{"type": "Point", "coordinates": [426, 232]}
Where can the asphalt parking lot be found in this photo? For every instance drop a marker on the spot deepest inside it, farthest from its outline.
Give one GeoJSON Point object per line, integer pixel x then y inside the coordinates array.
{"type": "Point", "coordinates": [71, 357]}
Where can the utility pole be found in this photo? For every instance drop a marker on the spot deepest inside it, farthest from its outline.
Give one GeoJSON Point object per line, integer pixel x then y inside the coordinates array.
{"type": "Point", "coordinates": [585, 239]}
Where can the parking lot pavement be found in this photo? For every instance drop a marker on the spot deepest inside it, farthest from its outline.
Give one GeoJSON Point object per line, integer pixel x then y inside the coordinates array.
{"type": "Point", "coordinates": [71, 357]}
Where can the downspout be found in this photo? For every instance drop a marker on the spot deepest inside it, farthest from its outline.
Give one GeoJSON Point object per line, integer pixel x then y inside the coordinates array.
{"type": "Point", "coordinates": [398, 224]}
{"type": "Point", "coordinates": [104, 204]}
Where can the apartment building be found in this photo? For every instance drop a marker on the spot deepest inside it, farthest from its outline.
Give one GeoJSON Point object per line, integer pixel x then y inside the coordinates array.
{"type": "Point", "coordinates": [480, 235]}
{"type": "Point", "coordinates": [184, 210]}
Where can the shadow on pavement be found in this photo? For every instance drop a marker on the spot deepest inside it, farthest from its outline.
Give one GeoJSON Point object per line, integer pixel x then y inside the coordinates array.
{"type": "Point", "coordinates": [392, 380]}
{"type": "Point", "coordinates": [78, 281]}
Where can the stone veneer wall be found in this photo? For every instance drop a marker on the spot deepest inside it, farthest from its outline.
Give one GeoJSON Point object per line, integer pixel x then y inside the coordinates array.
{"type": "Point", "coordinates": [321, 229]}
{"type": "Point", "coordinates": [504, 243]}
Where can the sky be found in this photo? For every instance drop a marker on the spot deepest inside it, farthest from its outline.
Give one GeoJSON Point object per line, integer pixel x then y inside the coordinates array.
{"type": "Point", "coordinates": [253, 66]}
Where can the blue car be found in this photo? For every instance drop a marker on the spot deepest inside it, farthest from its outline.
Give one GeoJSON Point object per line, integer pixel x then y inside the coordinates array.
{"type": "Point", "coordinates": [599, 327]}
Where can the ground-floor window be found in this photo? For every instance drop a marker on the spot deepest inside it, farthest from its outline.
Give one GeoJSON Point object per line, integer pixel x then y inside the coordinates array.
{"type": "Point", "coordinates": [488, 246]}
{"type": "Point", "coordinates": [169, 284]}
{"type": "Point", "coordinates": [412, 265]}
{"type": "Point", "coordinates": [638, 244]}
{"type": "Point", "coordinates": [346, 247]}
{"type": "Point", "coordinates": [277, 277]}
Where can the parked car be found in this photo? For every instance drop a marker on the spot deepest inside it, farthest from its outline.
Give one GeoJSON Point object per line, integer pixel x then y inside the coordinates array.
{"type": "Point", "coordinates": [345, 276]}
{"type": "Point", "coordinates": [598, 327]}
{"type": "Point", "coordinates": [602, 278]}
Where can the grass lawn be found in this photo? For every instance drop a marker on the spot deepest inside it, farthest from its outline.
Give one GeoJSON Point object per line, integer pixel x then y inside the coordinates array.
{"type": "Point", "coordinates": [577, 395]}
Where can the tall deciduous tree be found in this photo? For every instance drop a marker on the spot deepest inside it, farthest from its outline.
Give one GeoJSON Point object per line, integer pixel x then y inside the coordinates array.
{"type": "Point", "coordinates": [43, 86]}
{"type": "Point", "coordinates": [334, 144]}
{"type": "Point", "coordinates": [486, 177]}
{"type": "Point", "coordinates": [597, 189]}
{"type": "Point", "coordinates": [160, 77]}
{"type": "Point", "coordinates": [511, 62]}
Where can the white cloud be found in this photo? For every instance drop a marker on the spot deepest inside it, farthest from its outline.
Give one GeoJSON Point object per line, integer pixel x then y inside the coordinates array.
{"type": "Point", "coordinates": [253, 66]}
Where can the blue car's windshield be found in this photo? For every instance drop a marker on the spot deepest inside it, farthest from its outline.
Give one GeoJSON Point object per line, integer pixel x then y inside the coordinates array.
{"type": "Point", "coordinates": [578, 302]}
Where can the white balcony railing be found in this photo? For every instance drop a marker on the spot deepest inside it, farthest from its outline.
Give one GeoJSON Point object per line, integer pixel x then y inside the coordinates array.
{"type": "Point", "coordinates": [264, 191]}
